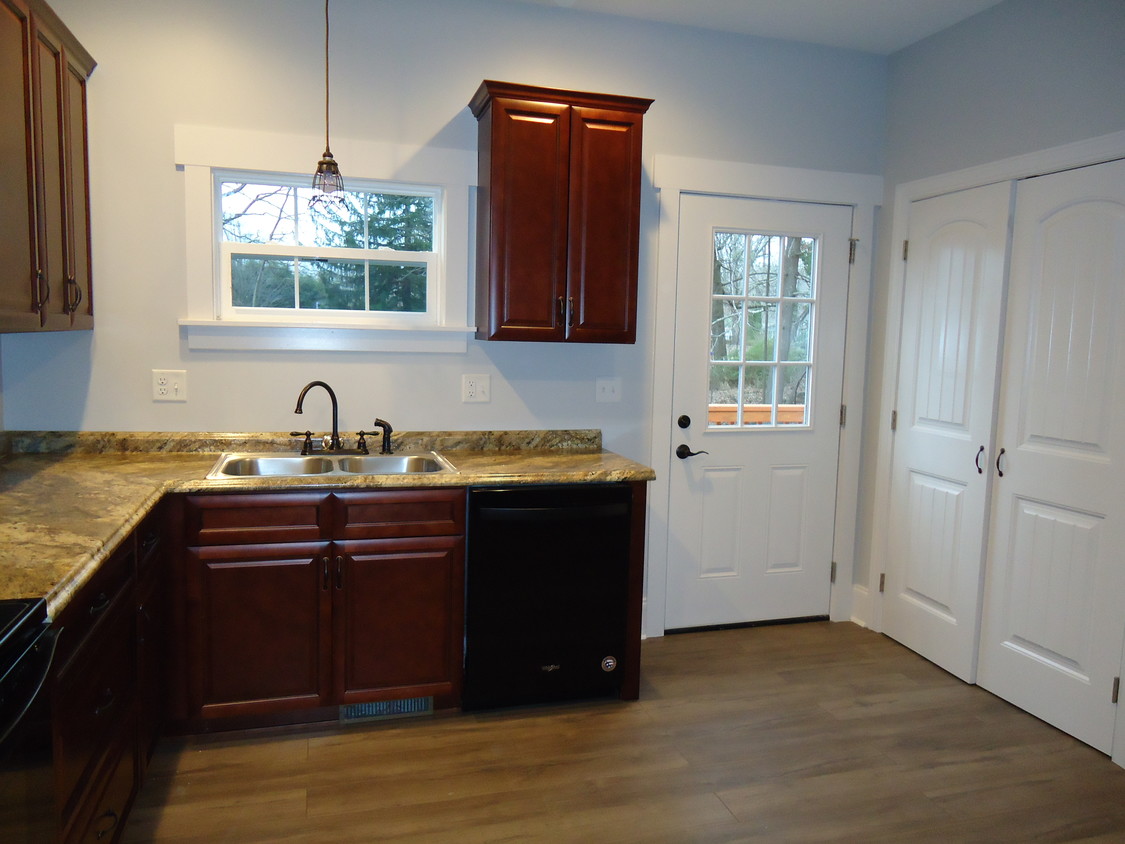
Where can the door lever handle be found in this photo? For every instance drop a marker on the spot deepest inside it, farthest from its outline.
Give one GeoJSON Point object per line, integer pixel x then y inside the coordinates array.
{"type": "Point", "coordinates": [683, 452]}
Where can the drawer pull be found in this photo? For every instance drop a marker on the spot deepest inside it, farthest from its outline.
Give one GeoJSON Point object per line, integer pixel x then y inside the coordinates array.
{"type": "Point", "coordinates": [109, 699]}
{"type": "Point", "coordinates": [102, 830]}
{"type": "Point", "coordinates": [100, 604]}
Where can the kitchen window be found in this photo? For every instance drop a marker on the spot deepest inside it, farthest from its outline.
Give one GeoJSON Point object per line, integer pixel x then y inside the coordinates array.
{"type": "Point", "coordinates": [372, 256]}
{"type": "Point", "coordinates": [386, 271]}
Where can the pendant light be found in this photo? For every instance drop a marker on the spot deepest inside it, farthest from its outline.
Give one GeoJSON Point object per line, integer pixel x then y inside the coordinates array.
{"type": "Point", "coordinates": [328, 185]}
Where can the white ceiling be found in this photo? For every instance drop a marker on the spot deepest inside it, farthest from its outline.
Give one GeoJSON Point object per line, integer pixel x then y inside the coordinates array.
{"type": "Point", "coordinates": [874, 26]}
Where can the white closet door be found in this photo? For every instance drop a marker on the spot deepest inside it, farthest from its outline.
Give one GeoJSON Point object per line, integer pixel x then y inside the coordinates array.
{"type": "Point", "coordinates": [1054, 611]}
{"type": "Point", "coordinates": [949, 357]}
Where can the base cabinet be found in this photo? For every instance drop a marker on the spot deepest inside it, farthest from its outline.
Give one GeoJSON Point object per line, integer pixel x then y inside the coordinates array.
{"type": "Point", "coordinates": [398, 618]}
{"type": "Point", "coordinates": [107, 702]}
{"type": "Point", "coordinates": [369, 609]}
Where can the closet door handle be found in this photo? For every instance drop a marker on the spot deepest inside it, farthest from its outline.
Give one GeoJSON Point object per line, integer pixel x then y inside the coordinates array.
{"type": "Point", "coordinates": [999, 471]}
{"type": "Point", "coordinates": [980, 471]}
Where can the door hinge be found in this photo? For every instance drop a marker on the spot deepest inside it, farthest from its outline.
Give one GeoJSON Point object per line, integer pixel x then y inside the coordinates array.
{"type": "Point", "coordinates": [883, 582]}
{"type": "Point", "coordinates": [852, 241]}
{"type": "Point", "coordinates": [1116, 688]}
{"type": "Point", "coordinates": [843, 415]}
{"type": "Point", "coordinates": [905, 249]}
{"type": "Point", "coordinates": [894, 420]}
{"type": "Point", "coordinates": [832, 573]}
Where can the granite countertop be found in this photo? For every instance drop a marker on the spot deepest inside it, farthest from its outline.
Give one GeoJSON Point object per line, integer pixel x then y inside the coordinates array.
{"type": "Point", "coordinates": [67, 500]}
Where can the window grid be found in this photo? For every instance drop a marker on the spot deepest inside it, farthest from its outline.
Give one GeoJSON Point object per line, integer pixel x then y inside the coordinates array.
{"type": "Point", "coordinates": [763, 306]}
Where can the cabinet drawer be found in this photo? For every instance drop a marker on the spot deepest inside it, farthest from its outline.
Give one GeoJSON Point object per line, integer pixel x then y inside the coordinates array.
{"type": "Point", "coordinates": [95, 602]}
{"type": "Point", "coordinates": [386, 514]}
{"type": "Point", "coordinates": [92, 698]}
{"type": "Point", "coordinates": [258, 518]}
{"type": "Point", "coordinates": [105, 820]}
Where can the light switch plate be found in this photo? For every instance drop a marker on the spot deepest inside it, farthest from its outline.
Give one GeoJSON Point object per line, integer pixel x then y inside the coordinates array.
{"type": "Point", "coordinates": [169, 385]}
{"type": "Point", "coordinates": [607, 389]}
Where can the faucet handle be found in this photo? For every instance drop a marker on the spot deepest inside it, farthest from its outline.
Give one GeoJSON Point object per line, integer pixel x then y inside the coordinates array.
{"type": "Point", "coordinates": [361, 440]}
{"type": "Point", "coordinates": [306, 446]}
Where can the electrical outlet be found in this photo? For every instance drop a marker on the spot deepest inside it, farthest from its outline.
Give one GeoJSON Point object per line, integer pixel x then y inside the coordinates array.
{"type": "Point", "coordinates": [169, 385]}
{"type": "Point", "coordinates": [607, 389]}
{"type": "Point", "coordinates": [476, 388]}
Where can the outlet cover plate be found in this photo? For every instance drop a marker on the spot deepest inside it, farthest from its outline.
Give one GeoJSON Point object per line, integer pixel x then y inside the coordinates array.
{"type": "Point", "coordinates": [169, 385]}
{"type": "Point", "coordinates": [476, 388]}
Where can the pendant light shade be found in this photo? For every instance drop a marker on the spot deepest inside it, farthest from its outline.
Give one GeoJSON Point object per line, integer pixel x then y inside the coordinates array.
{"type": "Point", "coordinates": [328, 184]}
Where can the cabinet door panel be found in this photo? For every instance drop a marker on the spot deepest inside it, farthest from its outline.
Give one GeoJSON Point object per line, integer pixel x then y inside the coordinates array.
{"type": "Point", "coordinates": [50, 71]}
{"type": "Point", "coordinates": [17, 234]}
{"type": "Point", "coordinates": [255, 518]}
{"type": "Point", "coordinates": [399, 618]}
{"type": "Point", "coordinates": [261, 631]}
{"type": "Point", "coordinates": [385, 514]}
{"type": "Point", "coordinates": [78, 300]}
{"type": "Point", "coordinates": [524, 243]}
{"type": "Point", "coordinates": [605, 195]}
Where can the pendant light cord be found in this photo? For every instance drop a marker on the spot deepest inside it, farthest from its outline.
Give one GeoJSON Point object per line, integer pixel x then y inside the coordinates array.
{"type": "Point", "coordinates": [326, 75]}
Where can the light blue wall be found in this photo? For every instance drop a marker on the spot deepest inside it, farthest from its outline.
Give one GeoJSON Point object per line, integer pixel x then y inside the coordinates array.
{"type": "Point", "coordinates": [1023, 76]}
{"type": "Point", "coordinates": [401, 71]}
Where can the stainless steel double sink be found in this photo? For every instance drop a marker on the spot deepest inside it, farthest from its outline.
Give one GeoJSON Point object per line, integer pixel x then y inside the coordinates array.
{"type": "Point", "coordinates": [235, 465]}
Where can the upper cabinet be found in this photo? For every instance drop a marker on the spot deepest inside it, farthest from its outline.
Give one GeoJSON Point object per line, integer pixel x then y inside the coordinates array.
{"type": "Point", "coordinates": [44, 205]}
{"type": "Point", "coordinates": [559, 214]}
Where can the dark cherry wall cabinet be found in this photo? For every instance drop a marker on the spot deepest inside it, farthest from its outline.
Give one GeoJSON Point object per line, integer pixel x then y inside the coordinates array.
{"type": "Point", "coordinates": [44, 186]}
{"type": "Point", "coordinates": [558, 215]}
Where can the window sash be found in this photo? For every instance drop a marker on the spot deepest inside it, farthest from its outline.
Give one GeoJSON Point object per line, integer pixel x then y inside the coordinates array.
{"type": "Point", "coordinates": [297, 316]}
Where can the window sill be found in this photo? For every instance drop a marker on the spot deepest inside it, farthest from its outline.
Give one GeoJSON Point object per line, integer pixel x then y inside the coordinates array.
{"type": "Point", "coordinates": [226, 335]}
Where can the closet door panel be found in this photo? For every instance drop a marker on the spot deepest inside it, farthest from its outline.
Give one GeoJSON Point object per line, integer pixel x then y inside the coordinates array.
{"type": "Point", "coordinates": [1053, 614]}
{"type": "Point", "coordinates": [949, 357]}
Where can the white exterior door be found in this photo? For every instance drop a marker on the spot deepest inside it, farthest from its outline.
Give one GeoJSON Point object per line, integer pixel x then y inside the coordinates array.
{"type": "Point", "coordinates": [1054, 611]}
{"type": "Point", "coordinates": [760, 315]}
{"type": "Point", "coordinates": [948, 362]}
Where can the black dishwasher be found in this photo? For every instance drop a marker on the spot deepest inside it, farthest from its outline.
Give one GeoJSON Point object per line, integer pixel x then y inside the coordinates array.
{"type": "Point", "coordinates": [546, 589]}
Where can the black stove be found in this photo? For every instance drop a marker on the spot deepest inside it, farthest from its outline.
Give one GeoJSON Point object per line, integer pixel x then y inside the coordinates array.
{"type": "Point", "coordinates": [26, 650]}
{"type": "Point", "coordinates": [17, 617]}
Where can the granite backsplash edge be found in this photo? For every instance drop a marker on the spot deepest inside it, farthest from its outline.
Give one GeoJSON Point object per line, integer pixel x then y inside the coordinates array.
{"type": "Point", "coordinates": [119, 442]}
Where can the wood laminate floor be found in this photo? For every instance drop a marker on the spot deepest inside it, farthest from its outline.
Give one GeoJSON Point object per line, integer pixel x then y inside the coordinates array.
{"type": "Point", "coordinates": [810, 732]}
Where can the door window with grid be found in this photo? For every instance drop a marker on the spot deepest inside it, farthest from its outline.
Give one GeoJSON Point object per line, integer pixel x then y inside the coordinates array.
{"type": "Point", "coordinates": [763, 310]}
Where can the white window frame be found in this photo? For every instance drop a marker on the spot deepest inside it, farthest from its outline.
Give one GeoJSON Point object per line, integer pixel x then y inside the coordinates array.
{"type": "Point", "coordinates": [311, 318]}
{"type": "Point", "coordinates": [202, 152]}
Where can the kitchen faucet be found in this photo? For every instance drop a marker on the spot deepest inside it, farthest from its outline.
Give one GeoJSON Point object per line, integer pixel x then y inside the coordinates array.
{"type": "Point", "coordinates": [334, 443]}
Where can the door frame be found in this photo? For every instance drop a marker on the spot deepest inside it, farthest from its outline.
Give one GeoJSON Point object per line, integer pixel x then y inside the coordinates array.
{"type": "Point", "coordinates": [673, 176]}
{"type": "Point", "coordinates": [867, 602]}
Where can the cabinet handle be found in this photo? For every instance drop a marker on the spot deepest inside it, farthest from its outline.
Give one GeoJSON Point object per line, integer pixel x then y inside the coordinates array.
{"type": "Point", "coordinates": [113, 818]}
{"type": "Point", "coordinates": [100, 604]}
{"type": "Point", "coordinates": [73, 303]}
{"type": "Point", "coordinates": [37, 296]}
{"type": "Point", "coordinates": [326, 574]}
{"type": "Point", "coordinates": [561, 308]}
{"type": "Point", "coordinates": [980, 471]}
{"type": "Point", "coordinates": [109, 698]}
{"type": "Point", "coordinates": [570, 312]}
{"type": "Point", "coordinates": [339, 572]}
